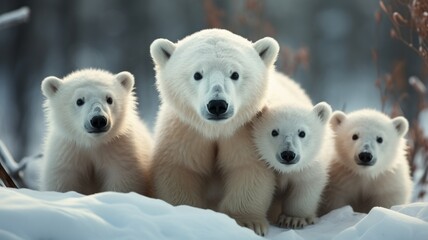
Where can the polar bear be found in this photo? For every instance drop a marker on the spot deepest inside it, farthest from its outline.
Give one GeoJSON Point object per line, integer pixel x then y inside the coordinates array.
{"type": "Point", "coordinates": [212, 84]}
{"type": "Point", "coordinates": [95, 139]}
{"type": "Point", "coordinates": [370, 168]}
{"type": "Point", "coordinates": [296, 141]}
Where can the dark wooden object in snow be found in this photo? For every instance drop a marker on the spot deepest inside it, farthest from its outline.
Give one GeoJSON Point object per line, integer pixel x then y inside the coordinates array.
{"type": "Point", "coordinates": [4, 176]}
{"type": "Point", "coordinates": [7, 20]}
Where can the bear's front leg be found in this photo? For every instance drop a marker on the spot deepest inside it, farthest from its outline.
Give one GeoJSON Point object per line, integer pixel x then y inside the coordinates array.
{"type": "Point", "coordinates": [389, 189]}
{"type": "Point", "coordinates": [63, 179]}
{"type": "Point", "coordinates": [248, 193]}
{"type": "Point", "coordinates": [340, 190]}
{"type": "Point", "coordinates": [249, 184]}
{"type": "Point", "coordinates": [182, 162]}
{"type": "Point", "coordinates": [299, 207]}
{"type": "Point", "coordinates": [65, 171]}
{"type": "Point", "coordinates": [382, 199]}
{"type": "Point", "coordinates": [122, 177]}
{"type": "Point", "coordinates": [179, 185]}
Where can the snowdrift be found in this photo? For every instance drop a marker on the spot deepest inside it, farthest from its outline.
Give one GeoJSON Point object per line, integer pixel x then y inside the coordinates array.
{"type": "Point", "coordinates": [28, 214]}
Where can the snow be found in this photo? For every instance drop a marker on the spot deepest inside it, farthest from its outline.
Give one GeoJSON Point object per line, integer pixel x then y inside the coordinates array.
{"type": "Point", "coordinates": [29, 214]}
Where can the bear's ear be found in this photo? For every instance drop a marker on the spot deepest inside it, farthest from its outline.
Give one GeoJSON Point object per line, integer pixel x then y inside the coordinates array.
{"type": "Point", "coordinates": [322, 111]}
{"type": "Point", "coordinates": [161, 50]}
{"type": "Point", "coordinates": [337, 119]}
{"type": "Point", "coordinates": [401, 125]}
{"type": "Point", "coordinates": [126, 80]}
{"type": "Point", "coordinates": [262, 111]}
{"type": "Point", "coordinates": [50, 86]}
{"type": "Point", "coordinates": [268, 49]}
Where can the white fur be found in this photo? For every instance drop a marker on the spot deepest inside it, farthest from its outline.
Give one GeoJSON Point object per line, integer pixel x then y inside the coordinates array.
{"type": "Point", "coordinates": [283, 91]}
{"type": "Point", "coordinates": [385, 183]}
{"type": "Point", "coordinates": [216, 54]}
{"type": "Point", "coordinates": [299, 185]}
{"type": "Point", "coordinates": [192, 151]}
{"type": "Point", "coordinates": [77, 160]}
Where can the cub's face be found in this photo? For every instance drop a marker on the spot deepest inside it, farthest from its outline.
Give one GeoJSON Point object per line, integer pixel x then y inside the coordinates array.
{"type": "Point", "coordinates": [368, 141]}
{"type": "Point", "coordinates": [213, 78]}
{"type": "Point", "coordinates": [289, 138]}
{"type": "Point", "coordinates": [88, 108]}
{"type": "Point", "coordinates": [96, 109]}
{"type": "Point", "coordinates": [219, 92]}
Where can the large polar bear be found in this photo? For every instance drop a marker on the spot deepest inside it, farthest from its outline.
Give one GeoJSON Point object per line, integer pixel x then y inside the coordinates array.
{"type": "Point", "coordinates": [370, 168]}
{"type": "Point", "coordinates": [295, 139]}
{"type": "Point", "coordinates": [212, 84]}
{"type": "Point", "coordinates": [95, 139]}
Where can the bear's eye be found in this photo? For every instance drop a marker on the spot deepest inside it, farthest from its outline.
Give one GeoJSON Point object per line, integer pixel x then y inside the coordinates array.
{"type": "Point", "coordinates": [302, 134]}
{"type": "Point", "coordinates": [197, 76]}
{"type": "Point", "coordinates": [379, 140]}
{"type": "Point", "coordinates": [80, 102]}
{"type": "Point", "coordinates": [274, 133]}
{"type": "Point", "coordinates": [234, 76]}
{"type": "Point", "coordinates": [109, 100]}
{"type": "Point", "coordinates": [355, 137]}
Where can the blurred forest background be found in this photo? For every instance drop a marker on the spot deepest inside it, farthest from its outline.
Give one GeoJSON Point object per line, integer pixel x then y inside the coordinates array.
{"type": "Point", "coordinates": [342, 52]}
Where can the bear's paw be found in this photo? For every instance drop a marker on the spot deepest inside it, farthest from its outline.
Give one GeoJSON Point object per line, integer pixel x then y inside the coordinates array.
{"type": "Point", "coordinates": [259, 225]}
{"type": "Point", "coordinates": [295, 222]}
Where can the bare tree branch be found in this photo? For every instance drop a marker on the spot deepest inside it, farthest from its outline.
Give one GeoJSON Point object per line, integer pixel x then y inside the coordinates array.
{"type": "Point", "coordinates": [7, 180]}
{"type": "Point", "coordinates": [6, 158]}
{"type": "Point", "coordinates": [14, 17]}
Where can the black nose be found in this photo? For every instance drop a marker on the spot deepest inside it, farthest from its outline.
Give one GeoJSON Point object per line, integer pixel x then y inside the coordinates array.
{"type": "Point", "coordinates": [217, 107]}
{"type": "Point", "coordinates": [288, 156]}
{"type": "Point", "coordinates": [365, 157]}
{"type": "Point", "coordinates": [99, 122]}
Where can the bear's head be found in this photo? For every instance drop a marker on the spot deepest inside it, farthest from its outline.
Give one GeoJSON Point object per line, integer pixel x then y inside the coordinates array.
{"type": "Point", "coordinates": [89, 106]}
{"type": "Point", "coordinates": [289, 138]}
{"type": "Point", "coordinates": [214, 80]}
{"type": "Point", "coordinates": [367, 141]}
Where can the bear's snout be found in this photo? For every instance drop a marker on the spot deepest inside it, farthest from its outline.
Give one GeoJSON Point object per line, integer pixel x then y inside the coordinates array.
{"type": "Point", "coordinates": [365, 158]}
{"type": "Point", "coordinates": [99, 123]}
{"type": "Point", "coordinates": [217, 107]}
{"type": "Point", "coordinates": [289, 157]}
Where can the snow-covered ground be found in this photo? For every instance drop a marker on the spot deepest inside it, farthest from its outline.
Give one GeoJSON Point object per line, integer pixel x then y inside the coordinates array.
{"type": "Point", "coordinates": [28, 214]}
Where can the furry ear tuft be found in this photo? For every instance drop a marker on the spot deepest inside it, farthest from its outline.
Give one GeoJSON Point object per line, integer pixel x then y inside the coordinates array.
{"type": "Point", "coordinates": [268, 49]}
{"type": "Point", "coordinates": [322, 111]}
{"type": "Point", "coordinates": [50, 86]}
{"type": "Point", "coordinates": [126, 80]}
{"type": "Point", "coordinates": [337, 119]}
{"type": "Point", "coordinates": [401, 125]}
{"type": "Point", "coordinates": [161, 50]}
{"type": "Point", "coordinates": [261, 112]}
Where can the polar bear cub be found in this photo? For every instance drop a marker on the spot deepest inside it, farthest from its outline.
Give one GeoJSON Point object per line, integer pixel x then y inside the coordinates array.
{"type": "Point", "coordinates": [370, 168]}
{"type": "Point", "coordinates": [95, 140]}
{"type": "Point", "coordinates": [296, 142]}
{"type": "Point", "coordinates": [212, 83]}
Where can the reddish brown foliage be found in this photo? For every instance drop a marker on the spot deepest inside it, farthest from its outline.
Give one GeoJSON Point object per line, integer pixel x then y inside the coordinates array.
{"type": "Point", "coordinates": [409, 18]}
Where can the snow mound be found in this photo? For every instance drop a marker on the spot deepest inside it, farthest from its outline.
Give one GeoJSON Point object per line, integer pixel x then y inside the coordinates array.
{"type": "Point", "coordinates": [28, 214]}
